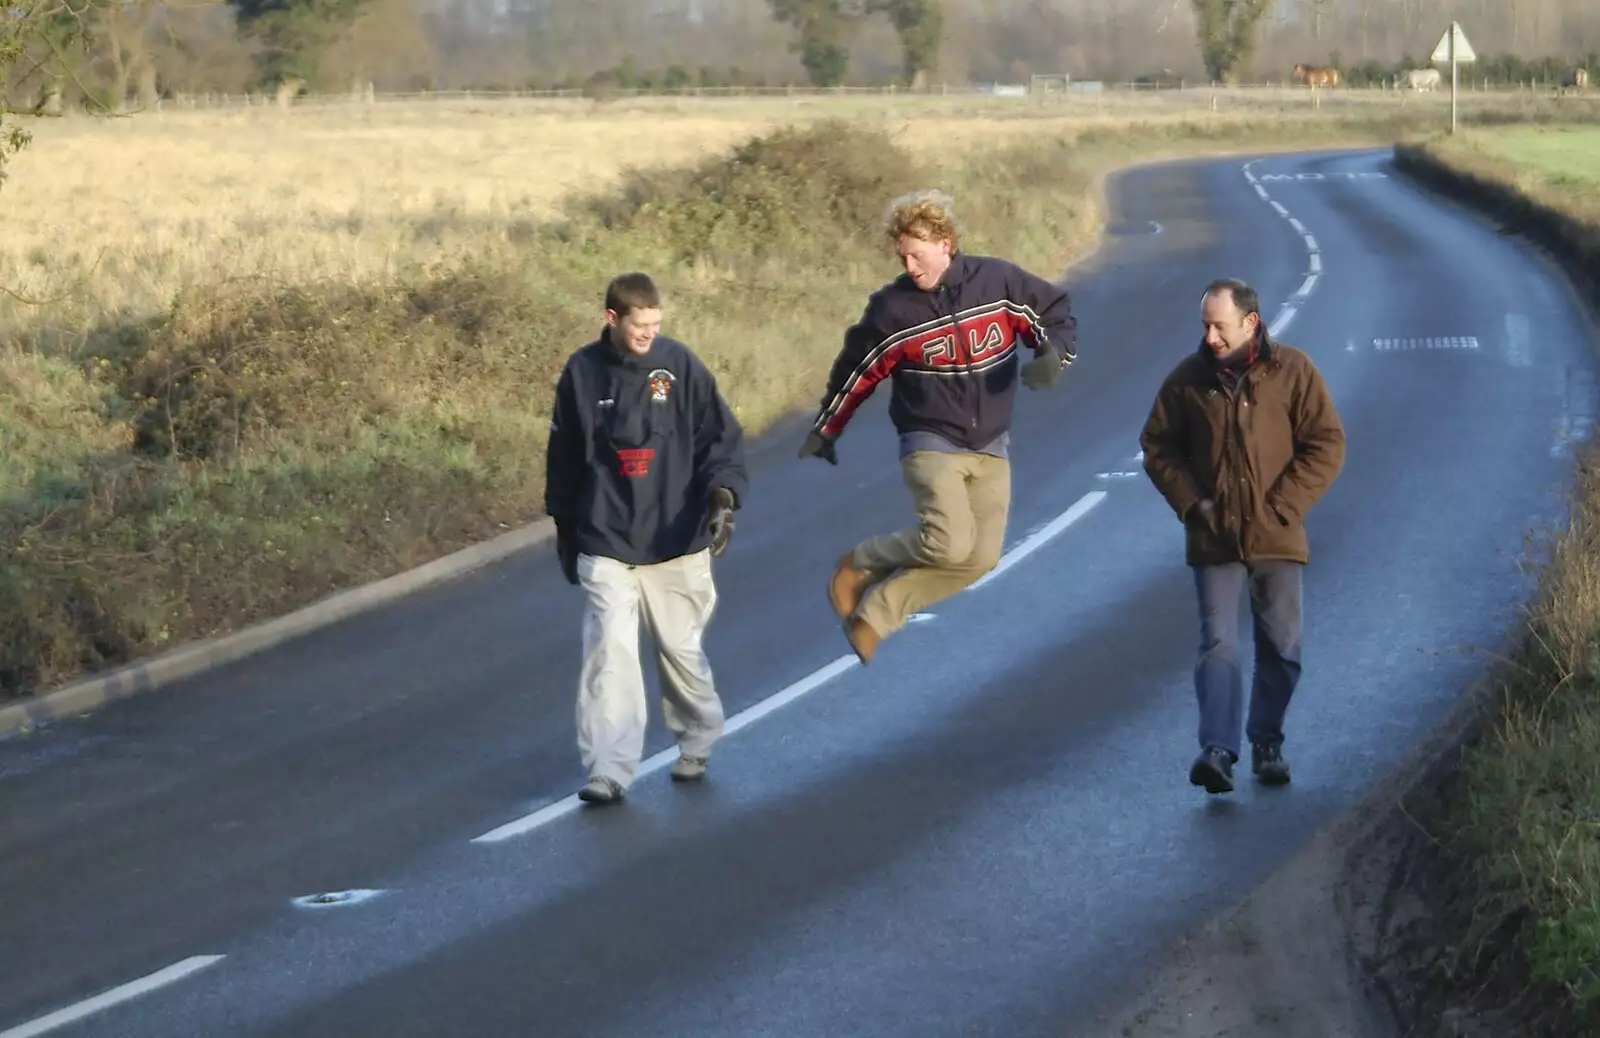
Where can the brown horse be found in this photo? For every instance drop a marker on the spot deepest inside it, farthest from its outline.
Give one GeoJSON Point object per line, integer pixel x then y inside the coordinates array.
{"type": "Point", "coordinates": [1315, 76]}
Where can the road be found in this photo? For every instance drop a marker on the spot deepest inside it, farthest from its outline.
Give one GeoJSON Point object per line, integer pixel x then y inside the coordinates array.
{"type": "Point", "coordinates": [988, 831]}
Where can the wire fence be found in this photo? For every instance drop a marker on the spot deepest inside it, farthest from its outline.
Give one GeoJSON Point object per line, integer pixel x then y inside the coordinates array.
{"type": "Point", "coordinates": [1198, 91]}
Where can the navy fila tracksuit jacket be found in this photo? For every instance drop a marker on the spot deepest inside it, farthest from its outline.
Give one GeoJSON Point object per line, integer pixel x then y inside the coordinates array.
{"type": "Point", "coordinates": [951, 354]}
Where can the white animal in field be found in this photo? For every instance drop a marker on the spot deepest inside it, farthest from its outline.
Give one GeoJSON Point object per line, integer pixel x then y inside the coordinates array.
{"type": "Point", "coordinates": [1422, 78]}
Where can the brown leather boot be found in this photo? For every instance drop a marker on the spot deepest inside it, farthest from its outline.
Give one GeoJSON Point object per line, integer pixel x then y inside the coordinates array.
{"type": "Point", "coordinates": [847, 586]}
{"type": "Point", "coordinates": [862, 638]}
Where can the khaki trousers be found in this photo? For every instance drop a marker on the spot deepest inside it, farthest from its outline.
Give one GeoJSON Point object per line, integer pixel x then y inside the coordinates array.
{"type": "Point", "coordinates": [675, 599]}
{"type": "Point", "coordinates": [962, 503]}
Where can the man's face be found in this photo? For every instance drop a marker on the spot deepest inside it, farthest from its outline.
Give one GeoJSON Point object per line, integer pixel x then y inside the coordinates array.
{"type": "Point", "coordinates": [635, 331]}
{"type": "Point", "coordinates": [1227, 330]}
{"type": "Point", "coordinates": [925, 261]}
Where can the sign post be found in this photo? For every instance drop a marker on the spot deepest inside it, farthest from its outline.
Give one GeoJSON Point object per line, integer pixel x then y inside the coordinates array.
{"type": "Point", "coordinates": [1454, 48]}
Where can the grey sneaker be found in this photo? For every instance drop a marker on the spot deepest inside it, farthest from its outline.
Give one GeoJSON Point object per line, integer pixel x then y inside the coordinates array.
{"type": "Point", "coordinates": [689, 769]}
{"type": "Point", "coordinates": [600, 790]}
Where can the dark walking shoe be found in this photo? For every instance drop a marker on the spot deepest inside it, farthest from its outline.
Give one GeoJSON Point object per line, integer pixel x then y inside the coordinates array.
{"type": "Point", "coordinates": [1213, 769]}
{"type": "Point", "coordinates": [1268, 764]}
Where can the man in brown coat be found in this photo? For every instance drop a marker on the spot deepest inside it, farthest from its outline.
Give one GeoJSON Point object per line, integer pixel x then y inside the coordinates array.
{"type": "Point", "coordinates": [1242, 440]}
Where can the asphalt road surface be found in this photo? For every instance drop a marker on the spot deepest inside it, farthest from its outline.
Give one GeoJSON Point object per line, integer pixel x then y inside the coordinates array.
{"type": "Point", "coordinates": [989, 831]}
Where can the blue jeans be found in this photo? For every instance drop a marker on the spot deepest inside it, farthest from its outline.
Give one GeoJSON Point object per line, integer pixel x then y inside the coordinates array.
{"type": "Point", "coordinates": [1275, 594]}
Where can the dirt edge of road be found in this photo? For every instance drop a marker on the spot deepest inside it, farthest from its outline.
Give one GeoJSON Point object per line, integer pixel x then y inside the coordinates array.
{"type": "Point", "coordinates": [1331, 945]}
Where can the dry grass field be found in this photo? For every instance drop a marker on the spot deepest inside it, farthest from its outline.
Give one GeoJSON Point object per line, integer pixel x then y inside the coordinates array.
{"type": "Point", "coordinates": [253, 356]}
{"type": "Point", "coordinates": [113, 216]}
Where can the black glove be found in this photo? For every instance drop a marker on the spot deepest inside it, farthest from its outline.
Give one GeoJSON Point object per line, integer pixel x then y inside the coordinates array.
{"type": "Point", "coordinates": [719, 521]}
{"type": "Point", "coordinates": [567, 552]}
{"type": "Point", "coordinates": [821, 446]}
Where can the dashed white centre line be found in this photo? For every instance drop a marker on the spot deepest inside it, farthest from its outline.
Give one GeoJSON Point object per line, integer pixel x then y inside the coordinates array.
{"type": "Point", "coordinates": [1292, 306]}
{"type": "Point", "coordinates": [106, 999]}
{"type": "Point", "coordinates": [810, 683]}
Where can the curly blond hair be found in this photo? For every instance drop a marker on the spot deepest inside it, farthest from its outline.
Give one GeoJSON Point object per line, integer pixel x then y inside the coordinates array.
{"type": "Point", "coordinates": [929, 215]}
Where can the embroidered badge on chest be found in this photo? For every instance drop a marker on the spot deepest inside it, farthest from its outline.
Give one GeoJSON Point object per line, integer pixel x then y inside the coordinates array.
{"type": "Point", "coordinates": [661, 381]}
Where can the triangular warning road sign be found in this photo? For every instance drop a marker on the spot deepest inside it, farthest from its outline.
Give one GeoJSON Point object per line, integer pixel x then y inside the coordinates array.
{"type": "Point", "coordinates": [1464, 50]}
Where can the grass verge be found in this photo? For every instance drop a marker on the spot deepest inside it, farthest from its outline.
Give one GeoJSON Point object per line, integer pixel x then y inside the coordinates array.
{"type": "Point", "coordinates": [1516, 870]}
{"type": "Point", "coordinates": [260, 445]}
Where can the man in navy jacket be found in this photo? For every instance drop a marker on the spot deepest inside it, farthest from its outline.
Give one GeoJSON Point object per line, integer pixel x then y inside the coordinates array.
{"type": "Point", "coordinates": [947, 333]}
{"type": "Point", "coordinates": [645, 468]}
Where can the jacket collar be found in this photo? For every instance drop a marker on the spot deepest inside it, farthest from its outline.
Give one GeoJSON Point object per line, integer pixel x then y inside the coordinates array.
{"type": "Point", "coordinates": [1263, 349]}
{"type": "Point", "coordinates": [620, 356]}
{"type": "Point", "coordinates": [958, 271]}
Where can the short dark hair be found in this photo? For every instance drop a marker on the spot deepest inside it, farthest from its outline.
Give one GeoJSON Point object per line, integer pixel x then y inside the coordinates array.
{"type": "Point", "coordinates": [630, 292]}
{"type": "Point", "coordinates": [1243, 296]}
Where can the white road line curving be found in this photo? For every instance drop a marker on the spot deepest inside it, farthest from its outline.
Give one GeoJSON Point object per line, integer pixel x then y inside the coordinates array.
{"type": "Point", "coordinates": [1036, 540]}
{"type": "Point", "coordinates": [810, 683]}
{"type": "Point", "coordinates": [106, 999]}
{"type": "Point", "coordinates": [549, 813]}
{"type": "Point", "coordinates": [1286, 313]}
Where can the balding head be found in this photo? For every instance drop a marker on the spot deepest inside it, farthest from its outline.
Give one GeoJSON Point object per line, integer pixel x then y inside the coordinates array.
{"type": "Point", "coordinates": [1230, 313]}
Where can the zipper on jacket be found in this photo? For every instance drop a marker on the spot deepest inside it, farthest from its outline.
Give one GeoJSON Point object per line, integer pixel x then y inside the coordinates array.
{"type": "Point", "coordinates": [1243, 397]}
{"type": "Point", "coordinates": [966, 364]}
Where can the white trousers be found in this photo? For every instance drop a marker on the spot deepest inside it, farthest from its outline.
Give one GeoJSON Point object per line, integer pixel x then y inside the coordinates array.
{"type": "Point", "coordinates": [675, 599]}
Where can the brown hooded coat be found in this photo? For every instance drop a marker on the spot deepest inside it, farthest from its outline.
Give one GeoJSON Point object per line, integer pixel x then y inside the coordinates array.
{"type": "Point", "coordinates": [1264, 447]}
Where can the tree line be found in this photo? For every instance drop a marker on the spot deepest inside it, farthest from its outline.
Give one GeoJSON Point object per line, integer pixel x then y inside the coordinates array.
{"type": "Point", "coordinates": [114, 52]}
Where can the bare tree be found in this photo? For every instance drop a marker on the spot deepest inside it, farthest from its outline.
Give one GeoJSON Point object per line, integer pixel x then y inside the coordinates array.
{"type": "Point", "coordinates": [34, 33]}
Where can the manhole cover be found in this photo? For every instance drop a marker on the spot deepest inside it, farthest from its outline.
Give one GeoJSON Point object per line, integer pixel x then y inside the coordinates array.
{"type": "Point", "coordinates": [335, 898]}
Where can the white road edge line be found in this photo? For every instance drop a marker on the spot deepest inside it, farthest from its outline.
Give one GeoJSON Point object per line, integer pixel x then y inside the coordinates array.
{"type": "Point", "coordinates": [126, 992]}
{"type": "Point", "coordinates": [1299, 227]}
{"type": "Point", "coordinates": [1311, 243]}
{"type": "Point", "coordinates": [656, 762]}
{"type": "Point", "coordinates": [1281, 210]}
{"type": "Point", "coordinates": [1042, 536]}
{"type": "Point", "coordinates": [1285, 316]}
{"type": "Point", "coordinates": [1261, 191]}
{"type": "Point", "coordinates": [810, 683]}
{"type": "Point", "coordinates": [1316, 263]}
{"type": "Point", "coordinates": [1307, 285]}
